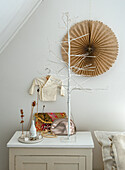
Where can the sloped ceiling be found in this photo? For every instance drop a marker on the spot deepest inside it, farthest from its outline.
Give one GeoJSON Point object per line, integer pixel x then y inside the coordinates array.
{"type": "Point", "coordinates": [13, 15]}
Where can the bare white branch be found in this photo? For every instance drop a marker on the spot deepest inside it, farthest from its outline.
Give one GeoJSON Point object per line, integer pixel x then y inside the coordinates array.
{"type": "Point", "coordinates": [76, 38]}
{"type": "Point", "coordinates": [77, 59]}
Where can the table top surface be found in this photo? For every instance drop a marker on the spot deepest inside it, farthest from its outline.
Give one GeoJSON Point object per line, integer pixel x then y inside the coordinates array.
{"type": "Point", "coordinates": [79, 140]}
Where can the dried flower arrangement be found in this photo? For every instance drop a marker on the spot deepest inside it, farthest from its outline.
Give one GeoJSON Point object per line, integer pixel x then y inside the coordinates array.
{"type": "Point", "coordinates": [33, 105]}
{"type": "Point", "coordinates": [37, 98]}
{"type": "Point", "coordinates": [31, 116]}
{"type": "Point", "coordinates": [22, 121]}
{"type": "Point", "coordinates": [28, 137]}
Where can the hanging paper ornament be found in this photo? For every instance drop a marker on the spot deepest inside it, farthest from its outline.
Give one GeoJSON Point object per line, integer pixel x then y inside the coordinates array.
{"type": "Point", "coordinates": [94, 53]}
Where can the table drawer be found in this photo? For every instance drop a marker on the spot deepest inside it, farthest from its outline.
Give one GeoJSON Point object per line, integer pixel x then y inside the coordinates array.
{"type": "Point", "coordinates": [50, 163]}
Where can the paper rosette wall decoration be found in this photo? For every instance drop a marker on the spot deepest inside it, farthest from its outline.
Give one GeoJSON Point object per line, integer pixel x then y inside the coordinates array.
{"type": "Point", "coordinates": [99, 42]}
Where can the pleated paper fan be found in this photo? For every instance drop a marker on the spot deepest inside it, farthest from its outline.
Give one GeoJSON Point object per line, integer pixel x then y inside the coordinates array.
{"type": "Point", "coordinates": [93, 54]}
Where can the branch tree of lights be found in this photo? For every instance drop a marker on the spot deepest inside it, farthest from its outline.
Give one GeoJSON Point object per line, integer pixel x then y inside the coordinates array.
{"type": "Point", "coordinates": [88, 49]}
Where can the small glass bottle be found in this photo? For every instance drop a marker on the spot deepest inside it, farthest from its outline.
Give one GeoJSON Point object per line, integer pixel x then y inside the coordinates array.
{"type": "Point", "coordinates": [33, 130]}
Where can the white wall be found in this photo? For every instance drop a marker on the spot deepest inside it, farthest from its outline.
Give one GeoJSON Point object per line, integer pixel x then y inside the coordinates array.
{"type": "Point", "coordinates": [13, 14]}
{"type": "Point", "coordinates": [27, 54]}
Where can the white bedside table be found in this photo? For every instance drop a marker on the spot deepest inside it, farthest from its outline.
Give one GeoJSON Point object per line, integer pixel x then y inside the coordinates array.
{"type": "Point", "coordinates": [52, 153]}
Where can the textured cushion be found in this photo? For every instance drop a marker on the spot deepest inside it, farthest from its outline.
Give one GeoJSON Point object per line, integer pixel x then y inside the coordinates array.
{"type": "Point", "coordinates": [118, 147]}
{"type": "Point", "coordinates": [105, 140]}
